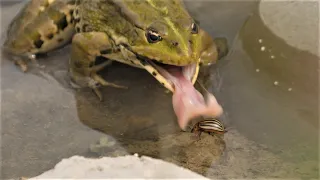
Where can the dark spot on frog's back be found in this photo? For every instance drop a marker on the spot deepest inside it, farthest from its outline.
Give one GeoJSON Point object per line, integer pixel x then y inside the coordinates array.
{"type": "Point", "coordinates": [106, 51]}
{"type": "Point", "coordinates": [72, 2]}
{"type": "Point", "coordinates": [78, 64]}
{"type": "Point", "coordinates": [62, 23]}
{"type": "Point", "coordinates": [77, 20]}
{"type": "Point", "coordinates": [86, 28]}
{"type": "Point", "coordinates": [50, 36]}
{"type": "Point", "coordinates": [60, 40]}
{"type": "Point", "coordinates": [38, 43]}
{"type": "Point", "coordinates": [71, 15]}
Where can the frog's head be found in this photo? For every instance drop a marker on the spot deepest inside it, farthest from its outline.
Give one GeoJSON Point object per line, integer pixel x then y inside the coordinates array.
{"type": "Point", "coordinates": [171, 44]}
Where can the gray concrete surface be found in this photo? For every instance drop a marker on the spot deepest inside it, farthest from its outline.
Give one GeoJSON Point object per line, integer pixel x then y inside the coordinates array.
{"type": "Point", "coordinates": [274, 131]}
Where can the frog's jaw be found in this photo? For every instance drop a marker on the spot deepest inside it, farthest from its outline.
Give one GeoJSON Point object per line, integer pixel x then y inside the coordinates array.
{"type": "Point", "coordinates": [164, 74]}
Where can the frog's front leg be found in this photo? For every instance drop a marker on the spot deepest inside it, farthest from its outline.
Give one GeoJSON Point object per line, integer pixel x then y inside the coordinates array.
{"type": "Point", "coordinates": [85, 48]}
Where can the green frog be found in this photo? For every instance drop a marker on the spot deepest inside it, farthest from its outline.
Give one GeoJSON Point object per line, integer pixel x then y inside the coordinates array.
{"type": "Point", "coordinates": [159, 36]}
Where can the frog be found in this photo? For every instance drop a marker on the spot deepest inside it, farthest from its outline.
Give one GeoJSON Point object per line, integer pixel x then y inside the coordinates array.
{"type": "Point", "coordinates": [159, 36]}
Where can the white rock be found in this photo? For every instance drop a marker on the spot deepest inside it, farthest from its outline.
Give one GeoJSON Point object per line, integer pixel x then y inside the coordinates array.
{"type": "Point", "coordinates": [78, 167]}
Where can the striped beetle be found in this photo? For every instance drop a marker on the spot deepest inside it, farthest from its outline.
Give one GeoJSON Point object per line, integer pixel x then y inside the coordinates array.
{"type": "Point", "coordinates": [209, 125]}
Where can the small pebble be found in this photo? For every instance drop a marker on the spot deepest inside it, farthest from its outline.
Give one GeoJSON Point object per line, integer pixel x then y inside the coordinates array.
{"type": "Point", "coordinates": [272, 57]}
{"type": "Point", "coordinates": [257, 70]}
{"type": "Point", "coordinates": [276, 83]}
{"type": "Point", "coordinates": [260, 40]}
{"type": "Point", "coordinates": [289, 89]}
{"type": "Point", "coordinates": [263, 48]}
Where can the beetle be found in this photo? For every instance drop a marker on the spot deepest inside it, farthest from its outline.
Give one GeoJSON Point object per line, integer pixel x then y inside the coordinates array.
{"type": "Point", "coordinates": [209, 125]}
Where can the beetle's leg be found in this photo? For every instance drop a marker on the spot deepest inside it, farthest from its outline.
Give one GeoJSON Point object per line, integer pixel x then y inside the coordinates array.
{"type": "Point", "coordinates": [196, 135]}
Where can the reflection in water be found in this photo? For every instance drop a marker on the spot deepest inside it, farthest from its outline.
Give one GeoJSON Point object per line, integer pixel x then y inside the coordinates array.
{"type": "Point", "coordinates": [288, 67]}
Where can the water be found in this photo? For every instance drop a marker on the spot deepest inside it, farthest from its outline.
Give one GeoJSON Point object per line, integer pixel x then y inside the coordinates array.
{"type": "Point", "coordinates": [274, 131]}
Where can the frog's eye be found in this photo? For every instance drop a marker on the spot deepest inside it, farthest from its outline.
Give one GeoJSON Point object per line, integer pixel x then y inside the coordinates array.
{"type": "Point", "coordinates": [194, 28]}
{"type": "Point", "coordinates": [153, 36]}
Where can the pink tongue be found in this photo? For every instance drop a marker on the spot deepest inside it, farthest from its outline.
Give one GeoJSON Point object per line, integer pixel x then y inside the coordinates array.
{"type": "Point", "coordinates": [188, 103]}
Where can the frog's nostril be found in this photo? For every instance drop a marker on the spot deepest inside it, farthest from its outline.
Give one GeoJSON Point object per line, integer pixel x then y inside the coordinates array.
{"type": "Point", "coordinates": [175, 43]}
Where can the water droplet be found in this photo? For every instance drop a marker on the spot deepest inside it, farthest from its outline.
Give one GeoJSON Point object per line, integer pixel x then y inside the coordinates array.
{"type": "Point", "coordinates": [257, 70]}
{"type": "Point", "coordinates": [263, 48]}
{"type": "Point", "coordinates": [289, 89]}
{"type": "Point", "coordinates": [260, 40]}
{"type": "Point", "coordinates": [276, 83]}
{"type": "Point", "coordinates": [272, 57]}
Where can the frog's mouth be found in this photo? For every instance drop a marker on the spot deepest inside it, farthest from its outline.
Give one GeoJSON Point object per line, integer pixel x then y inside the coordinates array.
{"type": "Point", "coordinates": [188, 103]}
{"type": "Point", "coordinates": [170, 75]}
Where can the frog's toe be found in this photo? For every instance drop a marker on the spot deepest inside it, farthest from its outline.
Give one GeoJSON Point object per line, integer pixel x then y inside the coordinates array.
{"type": "Point", "coordinates": [103, 82]}
{"type": "Point", "coordinates": [98, 93]}
{"type": "Point", "coordinates": [96, 81]}
{"type": "Point", "coordinates": [22, 65]}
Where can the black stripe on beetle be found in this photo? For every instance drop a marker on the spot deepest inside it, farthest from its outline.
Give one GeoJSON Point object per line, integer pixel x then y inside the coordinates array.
{"type": "Point", "coordinates": [211, 123]}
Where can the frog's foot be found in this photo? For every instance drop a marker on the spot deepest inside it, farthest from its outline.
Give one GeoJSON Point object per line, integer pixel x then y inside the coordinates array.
{"type": "Point", "coordinates": [96, 81]}
{"type": "Point", "coordinates": [21, 64]}
{"type": "Point", "coordinates": [93, 81]}
{"type": "Point", "coordinates": [83, 71]}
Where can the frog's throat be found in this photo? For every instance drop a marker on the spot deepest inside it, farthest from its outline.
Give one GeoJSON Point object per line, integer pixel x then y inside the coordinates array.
{"type": "Point", "coordinates": [165, 77]}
